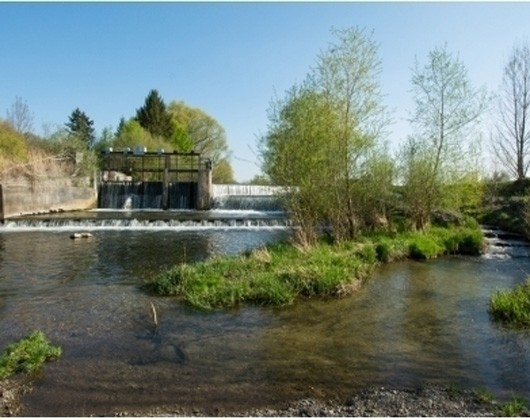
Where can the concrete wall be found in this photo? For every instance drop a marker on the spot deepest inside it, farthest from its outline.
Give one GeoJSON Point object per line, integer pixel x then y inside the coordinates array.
{"type": "Point", "coordinates": [204, 198]}
{"type": "Point", "coordinates": [44, 196]}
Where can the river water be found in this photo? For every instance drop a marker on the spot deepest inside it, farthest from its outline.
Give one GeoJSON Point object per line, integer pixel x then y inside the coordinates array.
{"type": "Point", "coordinates": [413, 323]}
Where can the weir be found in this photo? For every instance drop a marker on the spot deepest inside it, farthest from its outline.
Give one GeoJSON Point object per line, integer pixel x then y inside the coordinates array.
{"type": "Point", "coordinates": [154, 180]}
{"type": "Point", "coordinates": [247, 197]}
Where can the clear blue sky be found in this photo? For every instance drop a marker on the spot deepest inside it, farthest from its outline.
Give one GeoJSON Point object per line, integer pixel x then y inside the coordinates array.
{"type": "Point", "coordinates": [228, 59]}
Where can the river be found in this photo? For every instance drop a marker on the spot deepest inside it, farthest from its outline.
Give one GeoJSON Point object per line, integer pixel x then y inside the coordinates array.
{"type": "Point", "coordinates": [413, 323]}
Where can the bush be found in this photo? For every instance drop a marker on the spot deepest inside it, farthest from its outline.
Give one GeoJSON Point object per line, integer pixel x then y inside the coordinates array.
{"type": "Point", "coordinates": [27, 355]}
{"type": "Point", "coordinates": [512, 307]}
{"type": "Point", "coordinates": [383, 251]}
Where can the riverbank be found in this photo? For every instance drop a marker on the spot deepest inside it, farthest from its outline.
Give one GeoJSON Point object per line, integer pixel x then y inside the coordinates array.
{"type": "Point", "coordinates": [429, 401]}
{"type": "Point", "coordinates": [11, 392]}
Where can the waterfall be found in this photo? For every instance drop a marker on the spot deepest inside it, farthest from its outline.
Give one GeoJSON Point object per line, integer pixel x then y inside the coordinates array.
{"type": "Point", "coordinates": [247, 197]}
{"type": "Point", "coordinates": [96, 221]}
{"type": "Point", "coordinates": [505, 245]}
{"type": "Point", "coordinates": [146, 195]}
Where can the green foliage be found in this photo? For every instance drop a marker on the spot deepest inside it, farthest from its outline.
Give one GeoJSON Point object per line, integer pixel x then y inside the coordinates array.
{"type": "Point", "coordinates": [512, 307]}
{"type": "Point", "coordinates": [81, 127]}
{"type": "Point", "coordinates": [268, 276]}
{"type": "Point", "coordinates": [195, 130]}
{"type": "Point", "coordinates": [27, 355]}
{"type": "Point", "coordinates": [277, 274]}
{"type": "Point", "coordinates": [440, 160]}
{"type": "Point", "coordinates": [324, 138]}
{"type": "Point", "coordinates": [223, 173]}
{"type": "Point", "coordinates": [484, 395]}
{"type": "Point", "coordinates": [12, 144]}
{"type": "Point", "coordinates": [132, 135]}
{"type": "Point", "coordinates": [154, 117]}
{"type": "Point", "coordinates": [513, 408]}
{"type": "Point", "coordinates": [424, 248]}
{"type": "Point", "coordinates": [260, 179]}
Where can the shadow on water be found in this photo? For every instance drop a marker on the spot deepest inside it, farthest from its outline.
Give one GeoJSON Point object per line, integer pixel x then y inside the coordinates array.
{"type": "Point", "coordinates": [412, 323]}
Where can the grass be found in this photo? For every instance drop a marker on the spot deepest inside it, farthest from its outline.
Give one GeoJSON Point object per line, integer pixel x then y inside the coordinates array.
{"type": "Point", "coordinates": [513, 408]}
{"type": "Point", "coordinates": [512, 307]}
{"type": "Point", "coordinates": [276, 275]}
{"type": "Point", "coordinates": [27, 355]}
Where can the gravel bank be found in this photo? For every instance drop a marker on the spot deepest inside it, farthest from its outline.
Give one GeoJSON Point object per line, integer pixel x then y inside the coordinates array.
{"type": "Point", "coordinates": [11, 390]}
{"type": "Point", "coordinates": [430, 401]}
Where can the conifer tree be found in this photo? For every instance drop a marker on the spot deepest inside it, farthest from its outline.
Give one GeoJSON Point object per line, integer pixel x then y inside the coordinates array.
{"type": "Point", "coordinates": [154, 117]}
{"type": "Point", "coordinates": [82, 127]}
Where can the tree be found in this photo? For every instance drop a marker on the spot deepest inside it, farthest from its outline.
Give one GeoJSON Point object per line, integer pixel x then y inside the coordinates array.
{"type": "Point", "coordinates": [154, 117]}
{"type": "Point", "coordinates": [512, 139]}
{"type": "Point", "coordinates": [324, 139]}
{"type": "Point", "coordinates": [442, 150]}
{"type": "Point", "coordinates": [198, 131]}
{"type": "Point", "coordinates": [81, 127]}
{"type": "Point", "coordinates": [132, 135]}
{"type": "Point", "coordinates": [194, 130]}
{"type": "Point", "coordinates": [20, 117]}
{"type": "Point", "coordinates": [222, 173]}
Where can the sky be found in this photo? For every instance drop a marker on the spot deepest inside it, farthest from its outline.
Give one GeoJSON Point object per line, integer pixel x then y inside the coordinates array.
{"type": "Point", "coordinates": [230, 58]}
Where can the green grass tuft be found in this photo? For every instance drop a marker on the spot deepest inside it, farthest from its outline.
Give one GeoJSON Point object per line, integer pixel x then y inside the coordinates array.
{"type": "Point", "coordinates": [512, 307]}
{"type": "Point", "coordinates": [27, 355]}
{"type": "Point", "coordinates": [424, 248]}
{"type": "Point", "coordinates": [513, 408]}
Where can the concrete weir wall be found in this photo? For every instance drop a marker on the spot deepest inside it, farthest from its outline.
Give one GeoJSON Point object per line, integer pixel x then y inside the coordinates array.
{"type": "Point", "coordinates": [44, 196]}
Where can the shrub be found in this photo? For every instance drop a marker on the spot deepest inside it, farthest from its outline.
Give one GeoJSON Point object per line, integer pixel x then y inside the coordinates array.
{"type": "Point", "coordinates": [383, 251]}
{"type": "Point", "coordinates": [27, 355]}
{"type": "Point", "coordinates": [512, 307]}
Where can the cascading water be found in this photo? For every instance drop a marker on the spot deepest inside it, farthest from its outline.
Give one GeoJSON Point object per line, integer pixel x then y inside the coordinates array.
{"type": "Point", "coordinates": [247, 197]}
{"type": "Point", "coordinates": [146, 195]}
{"type": "Point", "coordinates": [504, 245]}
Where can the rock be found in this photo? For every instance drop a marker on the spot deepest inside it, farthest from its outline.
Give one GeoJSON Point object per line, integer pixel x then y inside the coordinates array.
{"type": "Point", "coordinates": [80, 235]}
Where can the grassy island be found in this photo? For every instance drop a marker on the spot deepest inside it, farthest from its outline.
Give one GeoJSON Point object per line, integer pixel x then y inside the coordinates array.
{"type": "Point", "coordinates": [277, 274]}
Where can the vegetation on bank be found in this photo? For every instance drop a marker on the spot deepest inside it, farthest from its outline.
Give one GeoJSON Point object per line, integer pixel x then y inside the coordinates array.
{"type": "Point", "coordinates": [277, 274]}
{"type": "Point", "coordinates": [27, 355]}
{"type": "Point", "coordinates": [512, 307]}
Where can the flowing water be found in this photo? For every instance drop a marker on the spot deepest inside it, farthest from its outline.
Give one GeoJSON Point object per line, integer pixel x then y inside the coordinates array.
{"type": "Point", "coordinates": [412, 323]}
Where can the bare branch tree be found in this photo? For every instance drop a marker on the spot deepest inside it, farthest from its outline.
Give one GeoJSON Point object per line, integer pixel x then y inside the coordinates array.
{"type": "Point", "coordinates": [512, 138]}
{"type": "Point", "coordinates": [20, 117]}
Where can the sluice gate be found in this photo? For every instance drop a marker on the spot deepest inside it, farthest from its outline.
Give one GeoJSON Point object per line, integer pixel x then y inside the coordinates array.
{"type": "Point", "coordinates": [154, 180]}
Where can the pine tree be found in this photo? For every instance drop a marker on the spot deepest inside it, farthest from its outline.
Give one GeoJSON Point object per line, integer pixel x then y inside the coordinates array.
{"type": "Point", "coordinates": [154, 117]}
{"type": "Point", "coordinates": [81, 126]}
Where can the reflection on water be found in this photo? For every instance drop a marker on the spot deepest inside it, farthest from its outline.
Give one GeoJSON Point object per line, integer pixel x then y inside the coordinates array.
{"type": "Point", "coordinates": [412, 323]}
